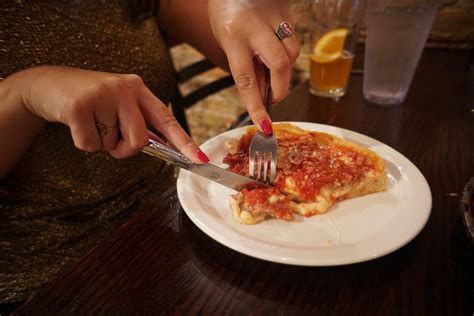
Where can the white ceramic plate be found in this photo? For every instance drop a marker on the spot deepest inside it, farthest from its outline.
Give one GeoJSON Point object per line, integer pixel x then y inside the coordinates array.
{"type": "Point", "coordinates": [351, 231]}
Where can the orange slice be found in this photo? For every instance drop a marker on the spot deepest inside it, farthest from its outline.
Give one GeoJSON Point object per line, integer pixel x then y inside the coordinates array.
{"type": "Point", "coordinates": [330, 46]}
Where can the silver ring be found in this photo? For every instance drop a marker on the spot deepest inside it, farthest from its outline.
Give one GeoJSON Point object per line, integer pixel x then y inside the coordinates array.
{"type": "Point", "coordinates": [284, 30]}
{"type": "Point", "coordinates": [103, 129]}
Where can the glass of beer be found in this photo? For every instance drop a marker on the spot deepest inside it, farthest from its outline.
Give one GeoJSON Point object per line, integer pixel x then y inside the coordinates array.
{"type": "Point", "coordinates": [334, 28]}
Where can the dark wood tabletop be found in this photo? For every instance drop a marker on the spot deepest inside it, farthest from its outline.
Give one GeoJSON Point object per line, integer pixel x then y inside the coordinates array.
{"type": "Point", "coordinates": [160, 262]}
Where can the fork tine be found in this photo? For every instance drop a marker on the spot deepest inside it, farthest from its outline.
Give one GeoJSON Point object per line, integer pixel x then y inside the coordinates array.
{"type": "Point", "coordinates": [259, 164]}
{"type": "Point", "coordinates": [273, 167]}
{"type": "Point", "coordinates": [262, 152]}
{"type": "Point", "coordinates": [266, 160]}
{"type": "Point", "coordinates": [252, 164]}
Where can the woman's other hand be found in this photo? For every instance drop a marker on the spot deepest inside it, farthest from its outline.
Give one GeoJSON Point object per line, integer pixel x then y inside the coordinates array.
{"type": "Point", "coordinates": [245, 29]}
{"type": "Point", "coordinates": [104, 111]}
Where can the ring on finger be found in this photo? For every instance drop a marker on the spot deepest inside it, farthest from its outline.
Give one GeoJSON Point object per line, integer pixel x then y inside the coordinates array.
{"type": "Point", "coordinates": [284, 30]}
{"type": "Point", "coordinates": [103, 129]}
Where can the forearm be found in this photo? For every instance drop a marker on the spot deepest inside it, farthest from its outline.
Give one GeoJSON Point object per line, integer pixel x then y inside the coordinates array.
{"type": "Point", "coordinates": [18, 126]}
{"type": "Point", "coordinates": [188, 21]}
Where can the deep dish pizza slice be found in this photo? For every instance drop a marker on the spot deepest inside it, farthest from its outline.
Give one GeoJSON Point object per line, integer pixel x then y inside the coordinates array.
{"type": "Point", "coordinates": [314, 170]}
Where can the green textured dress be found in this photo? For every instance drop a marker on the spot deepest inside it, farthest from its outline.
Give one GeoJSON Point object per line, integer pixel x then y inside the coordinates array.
{"type": "Point", "coordinates": [59, 202]}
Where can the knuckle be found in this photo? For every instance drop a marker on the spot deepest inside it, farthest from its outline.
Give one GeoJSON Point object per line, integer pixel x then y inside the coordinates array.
{"type": "Point", "coordinates": [279, 94]}
{"type": "Point", "coordinates": [114, 153]}
{"type": "Point", "coordinates": [134, 80]}
{"type": "Point", "coordinates": [88, 144]}
{"type": "Point", "coordinates": [85, 98]}
{"type": "Point", "coordinates": [169, 120]}
{"type": "Point", "coordinates": [257, 113]}
{"type": "Point", "coordinates": [282, 62]}
{"type": "Point", "coordinates": [110, 145]}
{"type": "Point", "coordinates": [120, 153]}
{"type": "Point", "coordinates": [138, 143]}
{"type": "Point", "coordinates": [246, 81]}
{"type": "Point", "coordinates": [114, 83]}
{"type": "Point", "coordinates": [231, 28]}
{"type": "Point", "coordinates": [127, 150]}
{"type": "Point", "coordinates": [138, 138]}
{"type": "Point", "coordinates": [294, 52]}
{"type": "Point", "coordinates": [78, 105]}
{"type": "Point", "coordinates": [189, 144]}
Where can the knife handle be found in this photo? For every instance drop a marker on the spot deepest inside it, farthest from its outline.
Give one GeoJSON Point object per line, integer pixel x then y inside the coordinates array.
{"type": "Point", "coordinates": [167, 153]}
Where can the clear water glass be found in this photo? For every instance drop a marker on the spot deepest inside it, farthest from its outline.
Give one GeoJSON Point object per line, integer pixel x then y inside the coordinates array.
{"type": "Point", "coordinates": [396, 35]}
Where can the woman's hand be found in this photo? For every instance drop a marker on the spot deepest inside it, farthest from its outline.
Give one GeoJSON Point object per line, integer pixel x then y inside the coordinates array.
{"type": "Point", "coordinates": [245, 29]}
{"type": "Point", "coordinates": [89, 101]}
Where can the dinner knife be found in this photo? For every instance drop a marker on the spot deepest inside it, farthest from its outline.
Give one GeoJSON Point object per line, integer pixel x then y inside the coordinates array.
{"type": "Point", "coordinates": [212, 172]}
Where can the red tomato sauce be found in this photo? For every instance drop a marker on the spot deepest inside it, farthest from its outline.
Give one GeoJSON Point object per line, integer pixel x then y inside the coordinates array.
{"type": "Point", "coordinates": [259, 199]}
{"type": "Point", "coordinates": [311, 164]}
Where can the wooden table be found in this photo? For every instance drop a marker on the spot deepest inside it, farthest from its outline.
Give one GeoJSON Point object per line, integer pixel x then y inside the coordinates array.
{"type": "Point", "coordinates": [160, 262]}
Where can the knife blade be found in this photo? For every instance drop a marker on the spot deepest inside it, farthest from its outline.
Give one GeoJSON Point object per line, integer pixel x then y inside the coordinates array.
{"type": "Point", "coordinates": [225, 177]}
{"type": "Point", "coordinates": [212, 172]}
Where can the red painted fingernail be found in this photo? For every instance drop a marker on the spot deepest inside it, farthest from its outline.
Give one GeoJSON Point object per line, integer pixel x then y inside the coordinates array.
{"type": "Point", "coordinates": [266, 126]}
{"type": "Point", "coordinates": [202, 156]}
{"type": "Point", "coordinates": [274, 102]}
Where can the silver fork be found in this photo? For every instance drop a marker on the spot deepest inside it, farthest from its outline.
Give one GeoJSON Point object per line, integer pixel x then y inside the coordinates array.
{"type": "Point", "coordinates": [263, 148]}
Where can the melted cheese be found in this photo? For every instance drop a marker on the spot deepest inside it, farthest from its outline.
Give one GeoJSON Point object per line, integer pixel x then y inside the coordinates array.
{"type": "Point", "coordinates": [290, 186]}
{"type": "Point", "coordinates": [307, 209]}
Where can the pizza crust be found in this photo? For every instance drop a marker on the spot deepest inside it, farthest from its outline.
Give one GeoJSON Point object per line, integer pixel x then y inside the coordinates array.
{"type": "Point", "coordinates": [241, 215]}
